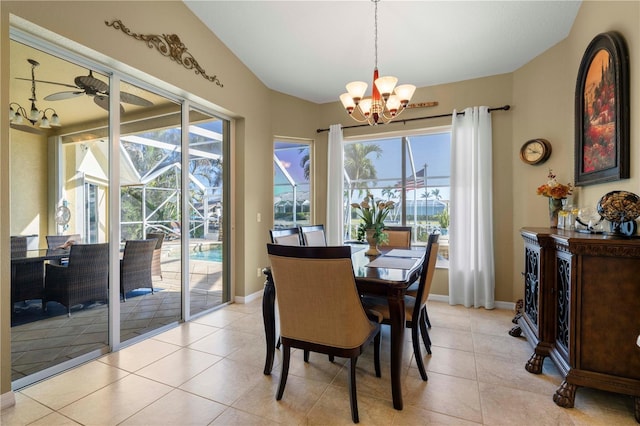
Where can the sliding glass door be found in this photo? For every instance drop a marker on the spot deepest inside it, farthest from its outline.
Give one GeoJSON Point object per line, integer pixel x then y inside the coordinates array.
{"type": "Point", "coordinates": [112, 179]}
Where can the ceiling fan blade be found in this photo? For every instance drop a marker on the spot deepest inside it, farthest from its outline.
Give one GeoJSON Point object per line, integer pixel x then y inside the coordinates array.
{"type": "Point", "coordinates": [92, 84]}
{"type": "Point", "coordinates": [103, 102]}
{"type": "Point", "coordinates": [49, 82]}
{"type": "Point", "coordinates": [130, 98]}
{"type": "Point", "coordinates": [62, 95]}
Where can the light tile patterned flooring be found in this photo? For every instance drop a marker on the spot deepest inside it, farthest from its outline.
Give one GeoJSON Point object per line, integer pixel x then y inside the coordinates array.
{"type": "Point", "coordinates": [209, 371]}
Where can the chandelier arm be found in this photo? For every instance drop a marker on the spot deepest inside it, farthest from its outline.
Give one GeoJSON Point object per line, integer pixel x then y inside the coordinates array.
{"type": "Point", "coordinates": [358, 116]}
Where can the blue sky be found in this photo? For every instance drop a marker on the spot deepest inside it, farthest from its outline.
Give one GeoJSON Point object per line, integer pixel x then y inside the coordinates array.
{"type": "Point", "coordinates": [432, 150]}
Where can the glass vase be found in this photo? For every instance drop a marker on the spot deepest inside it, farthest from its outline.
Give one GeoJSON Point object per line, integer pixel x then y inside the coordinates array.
{"type": "Point", "coordinates": [555, 205]}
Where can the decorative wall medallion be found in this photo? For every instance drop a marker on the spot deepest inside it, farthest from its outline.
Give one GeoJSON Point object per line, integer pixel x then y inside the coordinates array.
{"type": "Point", "coordinates": [168, 45]}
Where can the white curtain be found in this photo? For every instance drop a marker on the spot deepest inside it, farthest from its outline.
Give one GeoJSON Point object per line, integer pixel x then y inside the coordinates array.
{"type": "Point", "coordinates": [471, 257]}
{"type": "Point", "coordinates": [335, 182]}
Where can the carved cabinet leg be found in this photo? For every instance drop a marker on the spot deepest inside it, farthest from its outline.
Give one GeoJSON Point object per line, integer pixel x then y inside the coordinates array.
{"type": "Point", "coordinates": [565, 395]}
{"type": "Point", "coordinates": [534, 365]}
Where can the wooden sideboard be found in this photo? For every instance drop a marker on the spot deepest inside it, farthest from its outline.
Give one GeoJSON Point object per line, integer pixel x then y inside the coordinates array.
{"type": "Point", "coordinates": [582, 309]}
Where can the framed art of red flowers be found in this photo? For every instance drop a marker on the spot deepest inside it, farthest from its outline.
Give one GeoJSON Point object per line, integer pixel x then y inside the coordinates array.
{"type": "Point", "coordinates": [602, 112]}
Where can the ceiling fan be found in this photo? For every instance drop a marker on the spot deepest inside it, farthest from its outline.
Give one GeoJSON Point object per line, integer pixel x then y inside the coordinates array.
{"type": "Point", "coordinates": [91, 86]}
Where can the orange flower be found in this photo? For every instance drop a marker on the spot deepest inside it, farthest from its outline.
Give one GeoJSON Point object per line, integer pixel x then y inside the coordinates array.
{"type": "Point", "coordinates": [554, 189]}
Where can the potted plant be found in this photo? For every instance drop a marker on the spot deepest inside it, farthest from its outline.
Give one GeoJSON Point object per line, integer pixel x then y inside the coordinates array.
{"type": "Point", "coordinates": [443, 220]}
{"type": "Point", "coordinates": [372, 214]}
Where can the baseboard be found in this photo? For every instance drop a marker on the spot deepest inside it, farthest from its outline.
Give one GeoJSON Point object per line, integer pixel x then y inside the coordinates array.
{"type": "Point", "coordinates": [7, 400]}
{"type": "Point", "coordinates": [435, 297]}
{"type": "Point", "coordinates": [498, 305]}
{"type": "Point", "coordinates": [250, 298]}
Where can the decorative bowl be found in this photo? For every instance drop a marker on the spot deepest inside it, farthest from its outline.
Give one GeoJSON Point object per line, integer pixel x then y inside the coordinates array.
{"type": "Point", "coordinates": [619, 206]}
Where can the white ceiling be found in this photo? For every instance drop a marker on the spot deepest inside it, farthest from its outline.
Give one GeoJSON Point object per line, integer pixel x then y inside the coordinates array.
{"type": "Point", "coordinates": [311, 49]}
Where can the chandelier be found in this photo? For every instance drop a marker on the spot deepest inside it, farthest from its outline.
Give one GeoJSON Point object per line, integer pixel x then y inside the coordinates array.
{"type": "Point", "coordinates": [19, 114]}
{"type": "Point", "coordinates": [385, 102]}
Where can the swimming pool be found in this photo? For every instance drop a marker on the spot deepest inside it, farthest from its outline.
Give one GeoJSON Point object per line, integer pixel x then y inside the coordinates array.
{"type": "Point", "coordinates": [214, 254]}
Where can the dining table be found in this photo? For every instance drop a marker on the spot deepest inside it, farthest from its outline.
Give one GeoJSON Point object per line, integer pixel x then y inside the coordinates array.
{"type": "Point", "coordinates": [27, 271]}
{"type": "Point", "coordinates": [389, 275]}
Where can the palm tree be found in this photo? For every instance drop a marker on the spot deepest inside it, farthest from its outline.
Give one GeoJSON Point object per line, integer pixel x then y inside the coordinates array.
{"type": "Point", "coordinates": [359, 166]}
{"type": "Point", "coordinates": [435, 193]}
{"type": "Point", "coordinates": [390, 193]}
{"type": "Point", "coordinates": [305, 163]}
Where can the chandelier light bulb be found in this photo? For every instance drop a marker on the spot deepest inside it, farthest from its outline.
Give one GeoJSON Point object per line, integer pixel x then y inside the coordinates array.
{"type": "Point", "coordinates": [33, 113]}
{"type": "Point", "coordinates": [405, 92]}
{"type": "Point", "coordinates": [44, 123]}
{"type": "Point", "coordinates": [393, 105]}
{"type": "Point", "coordinates": [356, 89]}
{"type": "Point", "coordinates": [18, 118]}
{"type": "Point", "coordinates": [385, 85]}
{"type": "Point", "coordinates": [347, 102]}
{"type": "Point", "coordinates": [55, 120]}
{"type": "Point", "coordinates": [365, 106]}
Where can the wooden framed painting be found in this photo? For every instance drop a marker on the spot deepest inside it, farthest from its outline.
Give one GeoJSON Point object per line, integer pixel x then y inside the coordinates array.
{"type": "Point", "coordinates": [602, 112]}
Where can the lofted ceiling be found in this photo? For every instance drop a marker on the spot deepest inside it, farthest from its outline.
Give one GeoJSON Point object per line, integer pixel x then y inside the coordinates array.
{"type": "Point", "coordinates": [311, 49]}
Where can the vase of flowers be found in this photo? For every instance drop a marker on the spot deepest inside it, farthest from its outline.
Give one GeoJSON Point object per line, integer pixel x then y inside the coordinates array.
{"type": "Point", "coordinates": [372, 214]}
{"type": "Point", "coordinates": [555, 192]}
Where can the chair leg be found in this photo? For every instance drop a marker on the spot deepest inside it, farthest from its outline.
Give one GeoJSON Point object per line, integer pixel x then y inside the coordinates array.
{"type": "Point", "coordinates": [426, 316]}
{"type": "Point", "coordinates": [376, 354]}
{"type": "Point", "coordinates": [278, 343]}
{"type": "Point", "coordinates": [286, 352]}
{"type": "Point", "coordinates": [425, 334]}
{"type": "Point", "coordinates": [352, 390]}
{"type": "Point", "coordinates": [306, 355]}
{"type": "Point", "coordinates": [416, 352]}
{"type": "Point", "coordinates": [332, 358]}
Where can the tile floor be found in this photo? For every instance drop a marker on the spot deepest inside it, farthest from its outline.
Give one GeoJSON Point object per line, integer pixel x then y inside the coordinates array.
{"type": "Point", "coordinates": [209, 371]}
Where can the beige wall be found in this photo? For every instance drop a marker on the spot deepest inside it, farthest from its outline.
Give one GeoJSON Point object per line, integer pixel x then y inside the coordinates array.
{"type": "Point", "coordinates": [541, 94]}
{"type": "Point", "coordinates": [29, 167]}
{"type": "Point", "coordinates": [543, 98]}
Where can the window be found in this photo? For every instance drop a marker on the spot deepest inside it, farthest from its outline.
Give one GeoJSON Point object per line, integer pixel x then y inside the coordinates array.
{"type": "Point", "coordinates": [412, 170]}
{"type": "Point", "coordinates": [292, 176]}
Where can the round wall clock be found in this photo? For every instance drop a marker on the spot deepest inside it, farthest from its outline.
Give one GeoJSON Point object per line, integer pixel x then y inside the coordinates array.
{"type": "Point", "coordinates": [535, 151]}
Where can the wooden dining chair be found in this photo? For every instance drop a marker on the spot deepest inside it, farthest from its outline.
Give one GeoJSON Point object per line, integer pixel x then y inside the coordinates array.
{"type": "Point", "coordinates": [397, 236]}
{"type": "Point", "coordinates": [320, 308]}
{"type": "Point", "coordinates": [413, 288]}
{"type": "Point", "coordinates": [135, 266]}
{"type": "Point", "coordinates": [286, 236]}
{"type": "Point", "coordinates": [313, 235]}
{"type": "Point", "coordinates": [413, 308]}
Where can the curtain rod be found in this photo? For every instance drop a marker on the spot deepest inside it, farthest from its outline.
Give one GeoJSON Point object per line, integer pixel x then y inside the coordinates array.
{"type": "Point", "coordinates": [502, 108]}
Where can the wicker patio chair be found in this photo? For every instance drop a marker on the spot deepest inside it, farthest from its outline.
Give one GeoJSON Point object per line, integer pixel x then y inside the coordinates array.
{"type": "Point", "coordinates": [156, 269]}
{"type": "Point", "coordinates": [84, 279]}
{"type": "Point", "coordinates": [135, 266]}
{"type": "Point", "coordinates": [55, 241]}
